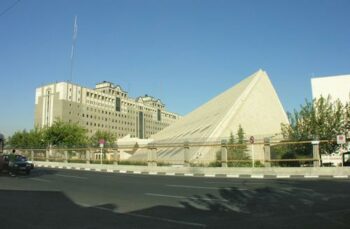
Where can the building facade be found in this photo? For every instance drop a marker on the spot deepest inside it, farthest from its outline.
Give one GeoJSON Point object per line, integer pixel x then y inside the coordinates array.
{"type": "Point", "coordinates": [338, 87]}
{"type": "Point", "coordinates": [106, 107]}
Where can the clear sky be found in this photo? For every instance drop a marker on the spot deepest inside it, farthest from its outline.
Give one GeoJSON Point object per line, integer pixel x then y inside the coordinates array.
{"type": "Point", "coordinates": [182, 51]}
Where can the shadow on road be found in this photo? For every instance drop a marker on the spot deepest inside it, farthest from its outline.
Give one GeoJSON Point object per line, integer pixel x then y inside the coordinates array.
{"type": "Point", "coordinates": [34, 173]}
{"type": "Point", "coordinates": [302, 205]}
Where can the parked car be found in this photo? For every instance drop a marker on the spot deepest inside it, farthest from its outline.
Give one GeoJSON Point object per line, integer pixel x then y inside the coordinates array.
{"type": "Point", "coordinates": [21, 164]}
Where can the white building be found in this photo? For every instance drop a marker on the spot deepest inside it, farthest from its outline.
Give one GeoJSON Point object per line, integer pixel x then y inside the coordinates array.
{"type": "Point", "coordinates": [338, 87]}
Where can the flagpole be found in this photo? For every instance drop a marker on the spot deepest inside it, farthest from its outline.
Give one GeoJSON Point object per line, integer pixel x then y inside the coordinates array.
{"type": "Point", "coordinates": [75, 34]}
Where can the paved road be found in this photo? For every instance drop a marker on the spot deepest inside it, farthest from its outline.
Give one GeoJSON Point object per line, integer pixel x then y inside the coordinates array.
{"type": "Point", "coordinates": [51, 198]}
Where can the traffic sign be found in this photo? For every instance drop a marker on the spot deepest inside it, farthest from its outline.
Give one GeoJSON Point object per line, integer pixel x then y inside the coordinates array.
{"type": "Point", "coordinates": [251, 139]}
{"type": "Point", "coordinates": [341, 139]}
{"type": "Point", "coordinates": [101, 142]}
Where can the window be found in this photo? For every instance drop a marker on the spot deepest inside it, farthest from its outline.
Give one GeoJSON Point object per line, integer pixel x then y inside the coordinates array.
{"type": "Point", "coordinates": [117, 104]}
{"type": "Point", "coordinates": [159, 115]}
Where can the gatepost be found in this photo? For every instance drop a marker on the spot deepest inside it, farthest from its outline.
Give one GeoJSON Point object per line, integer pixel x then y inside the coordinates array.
{"type": "Point", "coordinates": [252, 141]}
{"type": "Point", "coordinates": [87, 156]}
{"type": "Point", "coordinates": [32, 155]}
{"type": "Point", "coordinates": [316, 153]}
{"type": "Point", "coordinates": [116, 155]}
{"type": "Point", "coordinates": [224, 153]}
{"type": "Point", "coordinates": [267, 152]}
{"type": "Point", "coordinates": [65, 157]}
{"type": "Point", "coordinates": [152, 155]}
{"type": "Point", "coordinates": [47, 152]}
{"type": "Point", "coordinates": [186, 154]}
{"type": "Point", "coordinates": [102, 143]}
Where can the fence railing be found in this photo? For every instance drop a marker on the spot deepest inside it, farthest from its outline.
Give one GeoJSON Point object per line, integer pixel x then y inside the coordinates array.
{"type": "Point", "coordinates": [213, 154]}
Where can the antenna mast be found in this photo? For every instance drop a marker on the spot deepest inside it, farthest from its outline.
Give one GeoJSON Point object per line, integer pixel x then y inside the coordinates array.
{"type": "Point", "coordinates": [75, 34]}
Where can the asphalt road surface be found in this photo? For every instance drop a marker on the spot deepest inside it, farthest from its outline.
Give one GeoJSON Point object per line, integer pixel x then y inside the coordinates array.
{"type": "Point", "coordinates": [50, 198]}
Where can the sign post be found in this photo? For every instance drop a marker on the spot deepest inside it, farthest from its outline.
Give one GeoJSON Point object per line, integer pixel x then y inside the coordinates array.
{"type": "Point", "coordinates": [102, 142]}
{"type": "Point", "coordinates": [341, 140]}
{"type": "Point", "coordinates": [252, 140]}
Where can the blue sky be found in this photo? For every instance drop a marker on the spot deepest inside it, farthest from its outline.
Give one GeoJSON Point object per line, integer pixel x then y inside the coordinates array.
{"type": "Point", "coordinates": [182, 51]}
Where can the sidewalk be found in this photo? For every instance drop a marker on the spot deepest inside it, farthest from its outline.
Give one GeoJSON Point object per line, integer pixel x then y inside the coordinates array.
{"type": "Point", "coordinates": [255, 173]}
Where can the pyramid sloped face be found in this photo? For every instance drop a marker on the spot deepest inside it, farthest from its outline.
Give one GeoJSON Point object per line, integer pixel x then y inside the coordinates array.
{"type": "Point", "coordinates": [261, 113]}
{"type": "Point", "coordinates": [200, 123]}
{"type": "Point", "coordinates": [253, 103]}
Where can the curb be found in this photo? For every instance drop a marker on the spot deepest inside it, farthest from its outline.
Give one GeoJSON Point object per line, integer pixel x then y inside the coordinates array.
{"type": "Point", "coordinates": [237, 176]}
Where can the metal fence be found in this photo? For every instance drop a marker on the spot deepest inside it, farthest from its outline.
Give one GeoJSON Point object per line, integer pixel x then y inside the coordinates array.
{"type": "Point", "coordinates": [206, 154]}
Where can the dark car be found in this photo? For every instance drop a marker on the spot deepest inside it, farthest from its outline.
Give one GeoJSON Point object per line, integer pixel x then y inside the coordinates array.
{"type": "Point", "coordinates": [21, 164]}
{"type": "Point", "coordinates": [346, 159]}
{"type": "Point", "coordinates": [23, 158]}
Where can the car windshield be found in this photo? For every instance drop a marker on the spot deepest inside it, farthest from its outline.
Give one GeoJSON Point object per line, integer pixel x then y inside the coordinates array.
{"type": "Point", "coordinates": [21, 158]}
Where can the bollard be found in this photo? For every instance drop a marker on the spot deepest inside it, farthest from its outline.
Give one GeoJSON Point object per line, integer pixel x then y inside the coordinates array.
{"type": "Point", "coordinates": [224, 153]}
{"type": "Point", "coordinates": [267, 152]}
{"type": "Point", "coordinates": [186, 154]}
{"type": "Point", "coordinates": [316, 153]}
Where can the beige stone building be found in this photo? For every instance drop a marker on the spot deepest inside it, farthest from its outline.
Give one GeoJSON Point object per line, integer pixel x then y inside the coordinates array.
{"type": "Point", "coordinates": [106, 107]}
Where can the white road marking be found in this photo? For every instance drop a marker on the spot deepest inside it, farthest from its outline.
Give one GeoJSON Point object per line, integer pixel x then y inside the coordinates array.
{"type": "Point", "coordinates": [70, 176]}
{"type": "Point", "coordinates": [341, 177]}
{"type": "Point", "coordinates": [201, 187]}
{"type": "Point", "coordinates": [257, 176]}
{"type": "Point", "coordinates": [209, 175]}
{"type": "Point", "coordinates": [110, 170]}
{"type": "Point", "coordinates": [40, 180]}
{"type": "Point", "coordinates": [137, 172]}
{"type": "Point", "coordinates": [170, 174]}
{"type": "Point", "coordinates": [188, 174]}
{"type": "Point", "coordinates": [184, 197]}
{"type": "Point", "coordinates": [87, 169]}
{"type": "Point", "coordinates": [157, 218]}
{"type": "Point", "coordinates": [153, 173]}
{"type": "Point", "coordinates": [238, 182]}
{"type": "Point", "coordinates": [168, 220]}
{"type": "Point", "coordinates": [310, 177]}
{"type": "Point", "coordinates": [282, 176]}
{"type": "Point", "coordinates": [122, 171]}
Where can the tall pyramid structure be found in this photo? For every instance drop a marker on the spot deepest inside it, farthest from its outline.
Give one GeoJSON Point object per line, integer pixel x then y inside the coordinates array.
{"type": "Point", "coordinates": [253, 103]}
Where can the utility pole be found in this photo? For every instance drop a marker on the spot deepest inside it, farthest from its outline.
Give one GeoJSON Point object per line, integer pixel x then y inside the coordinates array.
{"type": "Point", "coordinates": [75, 34]}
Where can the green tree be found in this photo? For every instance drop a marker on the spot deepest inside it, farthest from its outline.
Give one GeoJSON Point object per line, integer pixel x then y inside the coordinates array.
{"type": "Point", "coordinates": [66, 134]}
{"type": "Point", "coordinates": [20, 139]}
{"type": "Point", "coordinates": [24, 139]}
{"type": "Point", "coordinates": [320, 119]}
{"type": "Point", "coordinates": [237, 149]}
{"type": "Point", "coordinates": [36, 138]}
{"type": "Point", "coordinates": [108, 136]}
{"type": "Point", "coordinates": [242, 146]}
